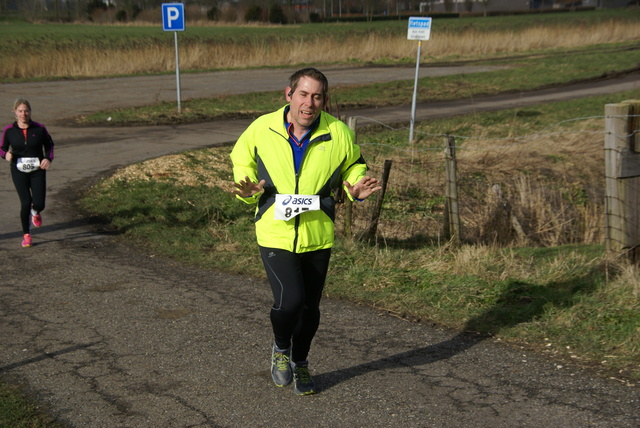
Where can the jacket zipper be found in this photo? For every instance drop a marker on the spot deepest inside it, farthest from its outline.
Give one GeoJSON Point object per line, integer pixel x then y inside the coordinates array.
{"type": "Point", "coordinates": [297, 219]}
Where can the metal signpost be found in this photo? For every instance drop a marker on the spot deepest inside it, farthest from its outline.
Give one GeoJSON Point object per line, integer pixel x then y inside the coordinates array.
{"type": "Point", "coordinates": [419, 29]}
{"type": "Point", "coordinates": [173, 20]}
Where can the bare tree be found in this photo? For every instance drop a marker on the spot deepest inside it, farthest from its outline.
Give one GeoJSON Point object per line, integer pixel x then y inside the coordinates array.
{"type": "Point", "coordinates": [77, 9]}
{"type": "Point", "coordinates": [32, 9]}
{"type": "Point", "coordinates": [485, 6]}
{"type": "Point", "coordinates": [448, 6]}
{"type": "Point", "coordinates": [468, 5]}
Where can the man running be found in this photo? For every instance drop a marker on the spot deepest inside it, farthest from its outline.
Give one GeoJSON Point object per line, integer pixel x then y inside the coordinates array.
{"type": "Point", "coordinates": [289, 162]}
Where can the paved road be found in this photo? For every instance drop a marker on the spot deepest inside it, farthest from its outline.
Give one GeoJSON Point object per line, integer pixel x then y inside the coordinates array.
{"type": "Point", "coordinates": [87, 96]}
{"type": "Point", "coordinates": [109, 335]}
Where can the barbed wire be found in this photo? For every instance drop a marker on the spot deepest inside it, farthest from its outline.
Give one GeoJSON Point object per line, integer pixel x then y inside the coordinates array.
{"type": "Point", "coordinates": [545, 214]}
{"type": "Point", "coordinates": [517, 140]}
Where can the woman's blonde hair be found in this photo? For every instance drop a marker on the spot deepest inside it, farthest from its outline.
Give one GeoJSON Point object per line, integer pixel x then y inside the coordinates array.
{"type": "Point", "coordinates": [21, 101]}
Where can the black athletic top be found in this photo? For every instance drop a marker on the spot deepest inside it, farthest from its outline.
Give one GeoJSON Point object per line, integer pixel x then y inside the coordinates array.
{"type": "Point", "coordinates": [37, 143]}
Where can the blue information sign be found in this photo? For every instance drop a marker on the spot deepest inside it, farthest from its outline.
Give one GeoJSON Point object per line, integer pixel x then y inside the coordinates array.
{"type": "Point", "coordinates": [419, 28]}
{"type": "Point", "coordinates": [173, 16]}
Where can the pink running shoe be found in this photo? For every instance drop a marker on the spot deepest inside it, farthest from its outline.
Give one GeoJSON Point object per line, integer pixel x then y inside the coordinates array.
{"type": "Point", "coordinates": [36, 220]}
{"type": "Point", "coordinates": [26, 241]}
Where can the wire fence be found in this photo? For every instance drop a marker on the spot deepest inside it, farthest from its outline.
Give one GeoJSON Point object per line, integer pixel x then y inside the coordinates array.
{"type": "Point", "coordinates": [545, 188]}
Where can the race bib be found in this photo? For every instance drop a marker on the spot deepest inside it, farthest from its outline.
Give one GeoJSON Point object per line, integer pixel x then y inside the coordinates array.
{"type": "Point", "coordinates": [289, 206]}
{"type": "Point", "coordinates": [28, 164]}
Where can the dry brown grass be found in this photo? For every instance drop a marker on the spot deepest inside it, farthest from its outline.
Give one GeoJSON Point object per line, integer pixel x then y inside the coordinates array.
{"type": "Point", "coordinates": [491, 265]}
{"type": "Point", "coordinates": [473, 42]}
{"type": "Point", "coordinates": [210, 168]}
{"type": "Point", "coordinates": [155, 58]}
{"type": "Point", "coordinates": [552, 185]}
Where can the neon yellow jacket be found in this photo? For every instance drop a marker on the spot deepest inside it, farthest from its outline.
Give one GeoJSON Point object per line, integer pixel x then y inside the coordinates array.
{"type": "Point", "coordinates": [263, 152]}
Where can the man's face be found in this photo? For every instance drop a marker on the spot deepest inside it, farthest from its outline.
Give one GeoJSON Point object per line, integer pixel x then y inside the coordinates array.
{"type": "Point", "coordinates": [306, 103]}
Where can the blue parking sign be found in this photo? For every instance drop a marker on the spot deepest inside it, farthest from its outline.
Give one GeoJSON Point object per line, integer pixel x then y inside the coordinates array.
{"type": "Point", "coordinates": [173, 17]}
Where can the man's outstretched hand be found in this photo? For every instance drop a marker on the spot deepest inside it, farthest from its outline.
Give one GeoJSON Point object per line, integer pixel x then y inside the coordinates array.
{"type": "Point", "coordinates": [247, 188]}
{"type": "Point", "coordinates": [363, 188]}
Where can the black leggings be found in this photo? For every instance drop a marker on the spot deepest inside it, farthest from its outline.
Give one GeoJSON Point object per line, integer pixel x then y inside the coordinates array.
{"type": "Point", "coordinates": [32, 188]}
{"type": "Point", "coordinates": [297, 281]}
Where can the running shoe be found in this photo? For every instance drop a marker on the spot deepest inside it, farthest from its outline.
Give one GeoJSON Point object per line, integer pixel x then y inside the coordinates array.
{"type": "Point", "coordinates": [303, 384]}
{"type": "Point", "coordinates": [281, 367]}
{"type": "Point", "coordinates": [36, 219]}
{"type": "Point", "coordinates": [26, 240]}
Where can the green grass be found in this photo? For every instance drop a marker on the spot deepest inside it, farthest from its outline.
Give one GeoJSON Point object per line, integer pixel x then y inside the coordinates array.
{"type": "Point", "coordinates": [15, 36]}
{"type": "Point", "coordinates": [530, 119]}
{"type": "Point", "coordinates": [18, 411]}
{"type": "Point", "coordinates": [160, 217]}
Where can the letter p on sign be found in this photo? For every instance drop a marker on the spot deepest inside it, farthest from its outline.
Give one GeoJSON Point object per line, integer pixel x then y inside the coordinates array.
{"type": "Point", "coordinates": [173, 17]}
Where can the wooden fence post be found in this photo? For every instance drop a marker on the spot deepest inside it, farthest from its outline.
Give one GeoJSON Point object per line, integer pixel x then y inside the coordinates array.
{"type": "Point", "coordinates": [515, 223]}
{"type": "Point", "coordinates": [370, 234]}
{"type": "Point", "coordinates": [452, 215]}
{"type": "Point", "coordinates": [622, 179]}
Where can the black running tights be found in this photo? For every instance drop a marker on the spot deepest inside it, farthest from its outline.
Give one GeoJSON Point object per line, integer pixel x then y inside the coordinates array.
{"type": "Point", "coordinates": [297, 281]}
{"type": "Point", "coordinates": [31, 189]}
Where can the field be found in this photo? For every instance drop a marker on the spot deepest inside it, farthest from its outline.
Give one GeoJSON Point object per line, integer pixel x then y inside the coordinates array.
{"type": "Point", "coordinates": [73, 50]}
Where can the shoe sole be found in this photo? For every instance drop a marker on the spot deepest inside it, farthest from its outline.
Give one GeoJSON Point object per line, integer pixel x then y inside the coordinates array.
{"type": "Point", "coordinates": [281, 385]}
{"type": "Point", "coordinates": [297, 392]}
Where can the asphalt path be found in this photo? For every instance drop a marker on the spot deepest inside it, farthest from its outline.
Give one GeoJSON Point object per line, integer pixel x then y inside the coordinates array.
{"type": "Point", "coordinates": [106, 334]}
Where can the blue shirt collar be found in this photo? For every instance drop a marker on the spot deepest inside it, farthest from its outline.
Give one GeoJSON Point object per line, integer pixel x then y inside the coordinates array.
{"type": "Point", "coordinates": [306, 136]}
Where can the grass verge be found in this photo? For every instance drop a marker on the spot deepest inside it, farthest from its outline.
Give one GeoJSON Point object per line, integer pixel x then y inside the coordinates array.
{"type": "Point", "coordinates": [18, 411]}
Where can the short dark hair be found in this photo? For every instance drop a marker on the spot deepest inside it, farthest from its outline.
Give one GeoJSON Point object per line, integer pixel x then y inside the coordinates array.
{"type": "Point", "coordinates": [313, 73]}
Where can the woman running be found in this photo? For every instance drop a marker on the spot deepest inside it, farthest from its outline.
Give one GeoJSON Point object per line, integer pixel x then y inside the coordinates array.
{"type": "Point", "coordinates": [29, 148]}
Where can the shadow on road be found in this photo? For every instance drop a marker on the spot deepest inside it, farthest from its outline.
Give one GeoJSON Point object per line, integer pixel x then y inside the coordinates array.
{"type": "Point", "coordinates": [45, 356]}
{"type": "Point", "coordinates": [40, 234]}
{"type": "Point", "coordinates": [416, 357]}
{"type": "Point", "coordinates": [519, 303]}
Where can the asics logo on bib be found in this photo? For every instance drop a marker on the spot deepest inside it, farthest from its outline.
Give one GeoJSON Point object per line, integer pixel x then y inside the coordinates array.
{"type": "Point", "coordinates": [288, 206]}
{"type": "Point", "coordinates": [297, 201]}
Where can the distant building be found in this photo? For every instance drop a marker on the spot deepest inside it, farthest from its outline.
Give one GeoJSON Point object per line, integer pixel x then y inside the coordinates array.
{"type": "Point", "coordinates": [461, 6]}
